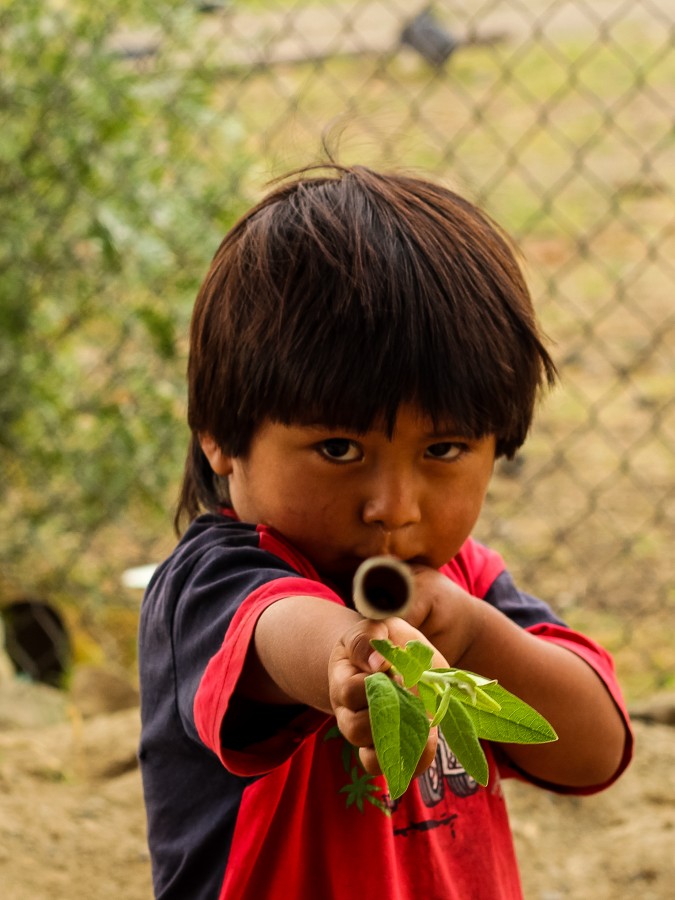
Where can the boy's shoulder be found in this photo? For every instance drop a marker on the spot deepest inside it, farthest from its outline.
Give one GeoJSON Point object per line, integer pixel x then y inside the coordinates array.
{"type": "Point", "coordinates": [216, 528]}
{"type": "Point", "coordinates": [224, 532]}
{"type": "Point", "coordinates": [207, 535]}
{"type": "Point", "coordinates": [475, 568]}
{"type": "Point", "coordinates": [218, 543]}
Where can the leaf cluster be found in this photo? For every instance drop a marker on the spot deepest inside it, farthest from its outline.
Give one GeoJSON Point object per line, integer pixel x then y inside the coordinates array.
{"type": "Point", "coordinates": [466, 707]}
{"type": "Point", "coordinates": [112, 202]}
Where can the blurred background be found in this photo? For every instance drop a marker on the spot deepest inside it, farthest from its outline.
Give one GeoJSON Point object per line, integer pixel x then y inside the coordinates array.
{"type": "Point", "coordinates": [133, 134]}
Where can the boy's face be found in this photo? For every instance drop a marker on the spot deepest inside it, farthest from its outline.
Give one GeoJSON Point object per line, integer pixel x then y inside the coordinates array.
{"type": "Point", "coordinates": [340, 497]}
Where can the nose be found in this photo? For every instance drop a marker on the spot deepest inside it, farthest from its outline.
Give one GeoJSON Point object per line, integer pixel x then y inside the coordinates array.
{"type": "Point", "coordinates": [392, 501]}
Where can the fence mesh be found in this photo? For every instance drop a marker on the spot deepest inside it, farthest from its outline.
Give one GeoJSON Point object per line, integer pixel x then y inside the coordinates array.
{"type": "Point", "coordinates": [555, 115]}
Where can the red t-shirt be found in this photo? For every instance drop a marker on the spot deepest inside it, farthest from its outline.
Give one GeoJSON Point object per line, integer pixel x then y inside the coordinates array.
{"type": "Point", "coordinates": [279, 806]}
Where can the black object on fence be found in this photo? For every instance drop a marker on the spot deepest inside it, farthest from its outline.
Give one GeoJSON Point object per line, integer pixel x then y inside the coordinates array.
{"type": "Point", "coordinates": [431, 40]}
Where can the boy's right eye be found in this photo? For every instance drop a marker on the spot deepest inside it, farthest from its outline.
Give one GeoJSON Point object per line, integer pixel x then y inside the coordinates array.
{"type": "Point", "coordinates": [340, 450]}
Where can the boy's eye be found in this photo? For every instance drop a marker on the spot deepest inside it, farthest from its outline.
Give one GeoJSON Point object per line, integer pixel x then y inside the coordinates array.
{"type": "Point", "coordinates": [340, 450]}
{"type": "Point", "coordinates": [446, 450]}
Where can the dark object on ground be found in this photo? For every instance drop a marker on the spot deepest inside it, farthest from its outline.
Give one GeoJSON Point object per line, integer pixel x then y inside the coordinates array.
{"type": "Point", "coordinates": [36, 640]}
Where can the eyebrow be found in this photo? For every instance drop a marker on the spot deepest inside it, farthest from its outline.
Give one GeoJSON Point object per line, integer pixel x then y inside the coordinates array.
{"type": "Point", "coordinates": [445, 432]}
{"type": "Point", "coordinates": [451, 435]}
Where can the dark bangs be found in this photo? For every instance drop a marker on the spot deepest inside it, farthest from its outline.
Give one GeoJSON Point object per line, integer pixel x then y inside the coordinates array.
{"type": "Point", "coordinates": [342, 298]}
{"type": "Point", "coordinates": [339, 298]}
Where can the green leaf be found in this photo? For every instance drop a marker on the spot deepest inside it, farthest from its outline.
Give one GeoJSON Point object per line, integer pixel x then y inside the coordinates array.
{"type": "Point", "coordinates": [463, 675]}
{"type": "Point", "coordinates": [446, 696]}
{"type": "Point", "coordinates": [474, 696]}
{"type": "Point", "coordinates": [466, 686]}
{"type": "Point", "coordinates": [430, 697]}
{"type": "Point", "coordinates": [461, 735]}
{"type": "Point", "coordinates": [515, 723]}
{"type": "Point", "coordinates": [410, 661]}
{"type": "Point", "coordinates": [400, 730]}
{"type": "Point", "coordinates": [467, 707]}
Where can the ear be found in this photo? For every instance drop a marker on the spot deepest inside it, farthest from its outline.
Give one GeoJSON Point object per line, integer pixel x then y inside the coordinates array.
{"type": "Point", "coordinates": [219, 462]}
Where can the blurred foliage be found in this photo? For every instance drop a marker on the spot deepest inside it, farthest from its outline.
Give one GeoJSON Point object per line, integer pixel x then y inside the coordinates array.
{"type": "Point", "coordinates": [110, 208]}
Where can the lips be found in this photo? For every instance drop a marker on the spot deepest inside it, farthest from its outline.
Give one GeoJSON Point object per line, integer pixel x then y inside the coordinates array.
{"type": "Point", "coordinates": [412, 560]}
{"type": "Point", "coordinates": [417, 561]}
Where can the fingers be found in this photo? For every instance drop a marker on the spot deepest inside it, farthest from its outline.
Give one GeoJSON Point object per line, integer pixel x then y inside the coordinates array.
{"type": "Point", "coordinates": [371, 764]}
{"type": "Point", "coordinates": [358, 649]}
{"type": "Point", "coordinates": [428, 754]}
{"type": "Point", "coordinates": [352, 660]}
{"type": "Point", "coordinates": [401, 631]}
{"type": "Point", "coordinates": [369, 760]}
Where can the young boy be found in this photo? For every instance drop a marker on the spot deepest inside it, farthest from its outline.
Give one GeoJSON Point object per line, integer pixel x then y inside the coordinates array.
{"type": "Point", "coordinates": [362, 349]}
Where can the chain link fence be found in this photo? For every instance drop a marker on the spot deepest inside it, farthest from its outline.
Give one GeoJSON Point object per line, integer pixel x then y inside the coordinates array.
{"type": "Point", "coordinates": [555, 115]}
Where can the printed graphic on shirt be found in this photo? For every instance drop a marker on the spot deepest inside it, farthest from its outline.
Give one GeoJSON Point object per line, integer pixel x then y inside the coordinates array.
{"type": "Point", "coordinates": [444, 774]}
{"type": "Point", "coordinates": [362, 787]}
{"type": "Point", "coordinates": [444, 777]}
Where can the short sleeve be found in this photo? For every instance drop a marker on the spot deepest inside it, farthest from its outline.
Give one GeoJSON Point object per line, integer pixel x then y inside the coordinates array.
{"type": "Point", "coordinates": [218, 583]}
{"type": "Point", "coordinates": [215, 694]}
{"type": "Point", "coordinates": [603, 665]}
{"type": "Point", "coordinates": [485, 577]}
{"type": "Point", "coordinates": [523, 609]}
{"type": "Point", "coordinates": [474, 568]}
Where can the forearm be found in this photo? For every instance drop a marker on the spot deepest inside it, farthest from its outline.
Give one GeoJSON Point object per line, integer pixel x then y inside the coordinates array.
{"type": "Point", "coordinates": [555, 681]}
{"type": "Point", "coordinates": [294, 639]}
{"type": "Point", "coordinates": [318, 653]}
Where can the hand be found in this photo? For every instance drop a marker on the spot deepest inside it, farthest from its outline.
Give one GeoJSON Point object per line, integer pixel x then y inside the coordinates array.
{"type": "Point", "coordinates": [352, 659]}
{"type": "Point", "coordinates": [447, 615]}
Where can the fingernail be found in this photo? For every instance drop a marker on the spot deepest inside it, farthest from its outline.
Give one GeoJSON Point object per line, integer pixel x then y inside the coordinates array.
{"type": "Point", "coordinates": [375, 660]}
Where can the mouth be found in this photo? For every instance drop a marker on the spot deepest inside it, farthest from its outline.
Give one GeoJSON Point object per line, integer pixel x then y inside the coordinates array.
{"type": "Point", "coordinates": [416, 561]}
{"type": "Point", "coordinates": [342, 577]}
{"type": "Point", "coordinates": [348, 565]}
{"type": "Point", "coordinates": [412, 561]}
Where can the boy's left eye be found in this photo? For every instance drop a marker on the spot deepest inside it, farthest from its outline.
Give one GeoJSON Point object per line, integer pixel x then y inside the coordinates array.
{"type": "Point", "coordinates": [340, 450]}
{"type": "Point", "coordinates": [446, 450]}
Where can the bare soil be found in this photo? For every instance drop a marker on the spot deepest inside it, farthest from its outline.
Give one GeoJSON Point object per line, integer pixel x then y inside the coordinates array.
{"type": "Point", "coordinates": [72, 824]}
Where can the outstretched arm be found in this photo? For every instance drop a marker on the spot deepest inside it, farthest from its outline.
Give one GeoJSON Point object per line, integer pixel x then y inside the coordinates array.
{"type": "Point", "coordinates": [557, 682]}
{"type": "Point", "coordinates": [317, 653]}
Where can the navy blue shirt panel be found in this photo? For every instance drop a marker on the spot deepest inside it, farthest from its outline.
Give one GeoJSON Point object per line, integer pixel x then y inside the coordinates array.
{"type": "Point", "coordinates": [523, 609]}
{"type": "Point", "coordinates": [186, 612]}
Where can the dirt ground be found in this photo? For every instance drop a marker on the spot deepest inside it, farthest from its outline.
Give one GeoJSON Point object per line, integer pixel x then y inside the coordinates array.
{"type": "Point", "coordinates": [72, 824]}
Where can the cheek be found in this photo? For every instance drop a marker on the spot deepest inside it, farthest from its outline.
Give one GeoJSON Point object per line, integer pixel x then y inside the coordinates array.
{"type": "Point", "coordinates": [287, 509]}
{"type": "Point", "coordinates": [312, 521]}
{"type": "Point", "coordinates": [456, 509]}
{"type": "Point", "coordinates": [475, 495]}
{"type": "Point", "coordinates": [456, 518]}
{"type": "Point", "coordinates": [250, 493]}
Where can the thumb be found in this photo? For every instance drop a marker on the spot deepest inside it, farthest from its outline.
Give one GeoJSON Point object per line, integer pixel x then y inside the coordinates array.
{"type": "Point", "coordinates": [360, 651]}
{"type": "Point", "coordinates": [400, 632]}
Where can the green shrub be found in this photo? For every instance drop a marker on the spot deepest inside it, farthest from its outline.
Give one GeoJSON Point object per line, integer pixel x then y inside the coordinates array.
{"type": "Point", "coordinates": [116, 178]}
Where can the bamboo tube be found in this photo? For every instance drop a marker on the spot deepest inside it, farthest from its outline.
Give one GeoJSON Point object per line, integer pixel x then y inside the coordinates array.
{"type": "Point", "coordinates": [382, 586]}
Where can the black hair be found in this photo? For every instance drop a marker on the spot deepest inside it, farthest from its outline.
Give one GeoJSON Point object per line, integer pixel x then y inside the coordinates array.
{"type": "Point", "coordinates": [342, 295]}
